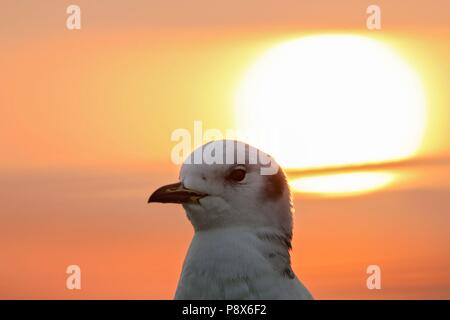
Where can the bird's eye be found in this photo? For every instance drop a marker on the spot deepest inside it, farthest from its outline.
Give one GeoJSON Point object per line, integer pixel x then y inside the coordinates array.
{"type": "Point", "coordinates": [237, 175]}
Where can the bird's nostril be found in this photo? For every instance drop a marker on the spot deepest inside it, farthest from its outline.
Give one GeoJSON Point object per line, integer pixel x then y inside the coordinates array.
{"type": "Point", "coordinates": [203, 178]}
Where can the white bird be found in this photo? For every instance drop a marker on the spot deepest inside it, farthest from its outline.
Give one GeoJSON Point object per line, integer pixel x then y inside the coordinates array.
{"type": "Point", "coordinates": [243, 227]}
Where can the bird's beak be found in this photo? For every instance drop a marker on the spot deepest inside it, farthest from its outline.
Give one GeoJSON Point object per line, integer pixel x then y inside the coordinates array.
{"type": "Point", "coordinates": [176, 193]}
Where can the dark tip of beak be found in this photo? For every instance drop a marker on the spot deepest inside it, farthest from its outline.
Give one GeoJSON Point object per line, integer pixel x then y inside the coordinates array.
{"type": "Point", "coordinates": [176, 193]}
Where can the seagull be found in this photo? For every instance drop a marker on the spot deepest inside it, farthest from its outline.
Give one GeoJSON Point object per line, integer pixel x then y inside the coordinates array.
{"type": "Point", "coordinates": [243, 227]}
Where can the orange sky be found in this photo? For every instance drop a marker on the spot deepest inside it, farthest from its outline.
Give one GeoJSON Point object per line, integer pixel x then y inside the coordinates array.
{"type": "Point", "coordinates": [85, 125]}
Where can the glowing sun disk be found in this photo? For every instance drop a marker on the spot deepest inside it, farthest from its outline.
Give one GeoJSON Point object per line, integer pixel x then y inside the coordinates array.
{"type": "Point", "coordinates": [331, 100]}
{"type": "Point", "coordinates": [342, 183]}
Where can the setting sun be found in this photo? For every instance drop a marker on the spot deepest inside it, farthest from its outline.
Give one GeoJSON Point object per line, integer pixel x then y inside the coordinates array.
{"type": "Point", "coordinates": [332, 100]}
{"type": "Point", "coordinates": [342, 183]}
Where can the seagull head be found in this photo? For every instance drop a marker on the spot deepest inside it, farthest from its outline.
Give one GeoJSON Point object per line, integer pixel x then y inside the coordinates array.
{"type": "Point", "coordinates": [227, 183]}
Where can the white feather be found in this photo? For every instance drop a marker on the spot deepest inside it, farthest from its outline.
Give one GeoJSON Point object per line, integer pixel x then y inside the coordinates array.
{"type": "Point", "coordinates": [231, 263]}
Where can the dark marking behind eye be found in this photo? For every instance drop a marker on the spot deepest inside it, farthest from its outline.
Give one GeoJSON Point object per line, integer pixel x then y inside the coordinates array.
{"type": "Point", "coordinates": [275, 185]}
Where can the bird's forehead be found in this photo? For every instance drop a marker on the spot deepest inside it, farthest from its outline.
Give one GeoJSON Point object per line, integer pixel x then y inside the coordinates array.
{"type": "Point", "coordinates": [216, 157]}
{"type": "Point", "coordinates": [228, 152]}
{"type": "Point", "coordinates": [190, 169]}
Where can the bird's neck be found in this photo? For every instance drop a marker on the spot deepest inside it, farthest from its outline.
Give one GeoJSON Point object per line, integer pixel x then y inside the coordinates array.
{"type": "Point", "coordinates": [257, 249]}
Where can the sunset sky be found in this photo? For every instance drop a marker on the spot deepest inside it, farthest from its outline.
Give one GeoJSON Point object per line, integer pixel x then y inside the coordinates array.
{"type": "Point", "coordinates": [85, 133]}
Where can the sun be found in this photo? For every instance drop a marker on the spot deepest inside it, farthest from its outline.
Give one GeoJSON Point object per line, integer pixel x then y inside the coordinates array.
{"type": "Point", "coordinates": [342, 183]}
{"type": "Point", "coordinates": [331, 100]}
